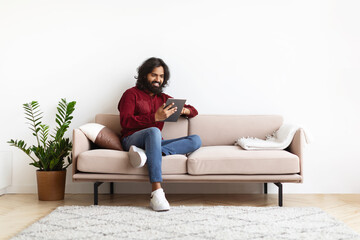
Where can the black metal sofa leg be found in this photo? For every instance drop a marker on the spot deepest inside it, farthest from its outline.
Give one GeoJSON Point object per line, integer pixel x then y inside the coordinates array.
{"type": "Point", "coordinates": [96, 192]}
{"type": "Point", "coordinates": [265, 188]}
{"type": "Point", "coordinates": [112, 188]}
{"type": "Point", "coordinates": [280, 193]}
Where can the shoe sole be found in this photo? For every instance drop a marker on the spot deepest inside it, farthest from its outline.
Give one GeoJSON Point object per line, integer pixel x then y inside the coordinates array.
{"type": "Point", "coordinates": [136, 157]}
{"type": "Point", "coordinates": [159, 210]}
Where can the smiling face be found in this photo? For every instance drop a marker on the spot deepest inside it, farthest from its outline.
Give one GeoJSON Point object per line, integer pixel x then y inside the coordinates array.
{"type": "Point", "coordinates": [153, 76]}
{"type": "Point", "coordinates": [155, 80]}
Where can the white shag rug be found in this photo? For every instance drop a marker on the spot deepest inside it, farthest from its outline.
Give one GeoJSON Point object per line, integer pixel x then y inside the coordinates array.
{"type": "Point", "coordinates": [219, 222]}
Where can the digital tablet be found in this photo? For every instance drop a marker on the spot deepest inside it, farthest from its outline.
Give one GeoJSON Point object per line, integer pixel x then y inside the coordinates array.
{"type": "Point", "coordinates": [179, 103]}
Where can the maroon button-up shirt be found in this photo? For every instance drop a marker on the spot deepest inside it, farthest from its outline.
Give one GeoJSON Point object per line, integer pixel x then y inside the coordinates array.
{"type": "Point", "coordinates": [137, 110]}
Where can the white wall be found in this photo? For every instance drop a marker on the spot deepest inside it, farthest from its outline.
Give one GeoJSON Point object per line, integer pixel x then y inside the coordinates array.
{"type": "Point", "coordinates": [300, 59]}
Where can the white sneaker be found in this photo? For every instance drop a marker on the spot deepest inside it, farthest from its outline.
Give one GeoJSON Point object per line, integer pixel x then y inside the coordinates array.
{"type": "Point", "coordinates": [137, 157]}
{"type": "Point", "coordinates": [158, 201]}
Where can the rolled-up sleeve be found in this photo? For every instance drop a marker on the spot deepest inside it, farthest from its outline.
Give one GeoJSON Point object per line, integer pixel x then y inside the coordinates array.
{"type": "Point", "coordinates": [193, 111]}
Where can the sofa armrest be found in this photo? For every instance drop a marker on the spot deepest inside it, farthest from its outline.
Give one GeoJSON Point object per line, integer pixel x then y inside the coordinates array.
{"type": "Point", "coordinates": [80, 144]}
{"type": "Point", "coordinates": [297, 147]}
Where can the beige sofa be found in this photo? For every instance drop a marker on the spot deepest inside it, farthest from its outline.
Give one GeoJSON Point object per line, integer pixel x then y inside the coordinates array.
{"type": "Point", "coordinates": [217, 161]}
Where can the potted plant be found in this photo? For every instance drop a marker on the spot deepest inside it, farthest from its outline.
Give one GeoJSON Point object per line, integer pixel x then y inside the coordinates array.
{"type": "Point", "coordinates": [52, 153]}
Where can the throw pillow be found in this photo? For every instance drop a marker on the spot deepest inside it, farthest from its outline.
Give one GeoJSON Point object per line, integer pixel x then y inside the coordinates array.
{"type": "Point", "coordinates": [102, 136]}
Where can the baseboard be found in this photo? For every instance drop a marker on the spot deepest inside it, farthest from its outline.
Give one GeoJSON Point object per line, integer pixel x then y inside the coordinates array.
{"type": "Point", "coordinates": [22, 189]}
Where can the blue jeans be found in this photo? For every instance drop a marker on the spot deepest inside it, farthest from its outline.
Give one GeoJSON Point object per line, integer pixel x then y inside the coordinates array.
{"type": "Point", "coordinates": [151, 141]}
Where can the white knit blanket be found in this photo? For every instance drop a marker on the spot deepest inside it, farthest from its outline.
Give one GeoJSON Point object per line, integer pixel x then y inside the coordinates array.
{"type": "Point", "coordinates": [280, 139]}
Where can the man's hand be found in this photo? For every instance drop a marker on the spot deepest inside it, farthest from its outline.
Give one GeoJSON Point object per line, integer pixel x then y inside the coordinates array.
{"type": "Point", "coordinates": [164, 112]}
{"type": "Point", "coordinates": [185, 111]}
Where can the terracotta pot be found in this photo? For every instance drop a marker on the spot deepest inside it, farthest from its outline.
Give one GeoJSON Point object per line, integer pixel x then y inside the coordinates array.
{"type": "Point", "coordinates": [51, 185]}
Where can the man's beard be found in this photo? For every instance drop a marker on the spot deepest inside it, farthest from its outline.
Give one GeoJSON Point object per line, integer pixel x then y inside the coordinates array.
{"type": "Point", "coordinates": [153, 89]}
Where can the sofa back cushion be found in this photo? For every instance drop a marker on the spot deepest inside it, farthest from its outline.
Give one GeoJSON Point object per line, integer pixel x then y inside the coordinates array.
{"type": "Point", "coordinates": [111, 121]}
{"type": "Point", "coordinates": [170, 130]}
{"type": "Point", "coordinates": [212, 129]}
{"type": "Point", "coordinates": [226, 129]}
{"type": "Point", "coordinates": [175, 129]}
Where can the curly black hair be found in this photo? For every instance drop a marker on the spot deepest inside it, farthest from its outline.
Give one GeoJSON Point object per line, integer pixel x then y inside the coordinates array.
{"type": "Point", "coordinates": [146, 68]}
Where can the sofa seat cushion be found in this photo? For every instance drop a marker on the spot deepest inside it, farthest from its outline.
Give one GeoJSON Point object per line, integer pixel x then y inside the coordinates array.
{"type": "Point", "coordinates": [113, 161]}
{"type": "Point", "coordinates": [235, 160]}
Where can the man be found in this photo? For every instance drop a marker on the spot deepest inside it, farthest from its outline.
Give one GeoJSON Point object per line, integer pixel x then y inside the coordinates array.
{"type": "Point", "coordinates": [142, 112]}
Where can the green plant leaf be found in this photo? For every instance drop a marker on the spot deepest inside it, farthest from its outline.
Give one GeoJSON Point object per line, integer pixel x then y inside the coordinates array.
{"type": "Point", "coordinates": [44, 134]}
{"type": "Point", "coordinates": [61, 112]}
{"type": "Point", "coordinates": [34, 117]}
{"type": "Point", "coordinates": [22, 146]}
{"type": "Point", "coordinates": [63, 118]}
